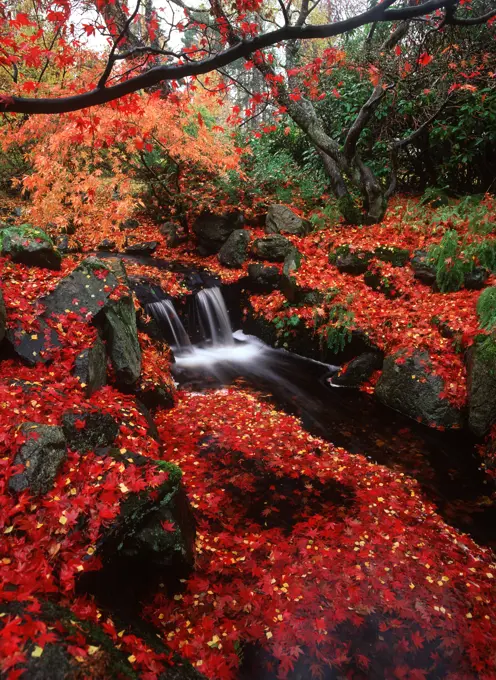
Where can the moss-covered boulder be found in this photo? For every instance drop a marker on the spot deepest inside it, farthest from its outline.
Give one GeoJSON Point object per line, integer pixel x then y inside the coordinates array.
{"type": "Point", "coordinates": [282, 220]}
{"type": "Point", "coordinates": [29, 245]}
{"type": "Point", "coordinates": [235, 250]}
{"type": "Point", "coordinates": [87, 289]}
{"type": "Point", "coordinates": [39, 458]}
{"type": "Point", "coordinates": [481, 381]}
{"type": "Point", "coordinates": [118, 323]}
{"type": "Point", "coordinates": [212, 231]}
{"type": "Point", "coordinates": [263, 277]}
{"type": "Point", "coordinates": [87, 430]}
{"type": "Point", "coordinates": [272, 248]}
{"type": "Point", "coordinates": [398, 257]}
{"type": "Point", "coordinates": [408, 385]}
{"type": "Point", "coordinates": [33, 346]}
{"type": "Point", "coordinates": [423, 269]}
{"type": "Point", "coordinates": [90, 367]}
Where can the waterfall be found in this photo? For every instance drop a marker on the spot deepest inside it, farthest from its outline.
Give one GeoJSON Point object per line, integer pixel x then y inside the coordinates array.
{"type": "Point", "coordinates": [213, 311]}
{"type": "Point", "coordinates": [164, 311]}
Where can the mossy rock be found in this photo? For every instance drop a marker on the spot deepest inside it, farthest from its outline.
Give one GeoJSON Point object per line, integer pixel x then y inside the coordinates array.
{"type": "Point", "coordinates": [29, 245]}
{"type": "Point", "coordinates": [41, 456]}
{"type": "Point", "coordinates": [273, 248]}
{"type": "Point", "coordinates": [481, 381]}
{"type": "Point", "coordinates": [350, 261]}
{"type": "Point", "coordinates": [87, 430]}
{"type": "Point", "coordinates": [398, 257]}
{"type": "Point", "coordinates": [90, 367]}
{"type": "Point", "coordinates": [234, 252]}
{"type": "Point", "coordinates": [118, 323]}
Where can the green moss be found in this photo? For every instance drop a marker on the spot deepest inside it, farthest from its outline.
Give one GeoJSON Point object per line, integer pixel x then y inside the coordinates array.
{"type": "Point", "coordinates": [340, 250]}
{"type": "Point", "coordinates": [398, 257]}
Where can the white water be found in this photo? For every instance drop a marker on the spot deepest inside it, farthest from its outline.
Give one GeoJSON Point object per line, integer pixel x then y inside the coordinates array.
{"type": "Point", "coordinates": [164, 311]}
{"type": "Point", "coordinates": [213, 311]}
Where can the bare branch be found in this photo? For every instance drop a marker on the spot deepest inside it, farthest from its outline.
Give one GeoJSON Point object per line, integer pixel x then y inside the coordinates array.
{"type": "Point", "coordinates": [111, 58]}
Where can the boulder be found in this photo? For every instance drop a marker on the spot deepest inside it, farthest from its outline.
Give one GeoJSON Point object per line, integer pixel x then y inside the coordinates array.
{"type": "Point", "coordinates": [41, 455]}
{"type": "Point", "coordinates": [169, 231]}
{"type": "Point", "coordinates": [272, 248]}
{"type": "Point", "coordinates": [107, 244]}
{"type": "Point", "coordinates": [33, 347]}
{"type": "Point", "coordinates": [118, 324]}
{"type": "Point", "coordinates": [359, 370]}
{"type": "Point", "coordinates": [91, 367]}
{"type": "Point", "coordinates": [142, 248]}
{"type": "Point", "coordinates": [88, 430]}
{"type": "Point", "coordinates": [3, 317]}
{"type": "Point", "coordinates": [408, 385]}
{"type": "Point", "coordinates": [476, 279]}
{"type": "Point", "coordinates": [481, 383]}
{"type": "Point", "coordinates": [29, 245]}
{"type": "Point", "coordinates": [350, 261]}
{"type": "Point", "coordinates": [282, 220]}
{"type": "Point", "coordinates": [138, 533]}
{"type": "Point", "coordinates": [235, 250]}
{"type": "Point", "coordinates": [87, 288]}
{"type": "Point", "coordinates": [264, 277]}
{"type": "Point", "coordinates": [422, 269]}
{"type": "Point", "coordinates": [212, 231]}
{"type": "Point", "coordinates": [130, 223]}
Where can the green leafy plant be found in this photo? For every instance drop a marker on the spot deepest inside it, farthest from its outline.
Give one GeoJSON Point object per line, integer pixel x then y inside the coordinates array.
{"type": "Point", "coordinates": [450, 267]}
{"type": "Point", "coordinates": [486, 308]}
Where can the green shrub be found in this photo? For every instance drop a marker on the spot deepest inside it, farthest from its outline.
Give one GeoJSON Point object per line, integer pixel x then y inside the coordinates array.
{"type": "Point", "coordinates": [450, 267]}
{"type": "Point", "coordinates": [337, 332]}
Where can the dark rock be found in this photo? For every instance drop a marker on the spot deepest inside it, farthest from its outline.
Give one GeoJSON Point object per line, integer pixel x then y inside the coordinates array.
{"type": "Point", "coordinates": [294, 293]}
{"type": "Point", "coordinates": [411, 388]}
{"type": "Point", "coordinates": [235, 250]}
{"type": "Point", "coordinates": [63, 245]}
{"type": "Point", "coordinates": [3, 316]}
{"type": "Point", "coordinates": [481, 383]}
{"type": "Point", "coordinates": [33, 347]}
{"type": "Point", "coordinates": [138, 534]}
{"type": "Point", "coordinates": [359, 370]}
{"type": "Point", "coordinates": [107, 244]}
{"type": "Point", "coordinates": [282, 220]}
{"type": "Point", "coordinates": [170, 231]}
{"type": "Point", "coordinates": [272, 248]}
{"type": "Point", "coordinates": [87, 288]}
{"type": "Point", "coordinates": [142, 248]}
{"type": "Point", "coordinates": [381, 283]}
{"type": "Point", "coordinates": [151, 428]}
{"type": "Point", "coordinates": [476, 279]}
{"type": "Point", "coordinates": [42, 455]}
{"type": "Point", "coordinates": [88, 430]}
{"type": "Point", "coordinates": [30, 246]}
{"type": "Point", "coordinates": [264, 277]}
{"type": "Point", "coordinates": [129, 224]}
{"type": "Point", "coordinates": [212, 231]}
{"type": "Point", "coordinates": [398, 257]}
{"type": "Point", "coordinates": [423, 270]}
{"type": "Point", "coordinates": [350, 261]}
{"type": "Point", "coordinates": [91, 367]}
{"type": "Point", "coordinates": [118, 323]}
{"type": "Point", "coordinates": [158, 394]}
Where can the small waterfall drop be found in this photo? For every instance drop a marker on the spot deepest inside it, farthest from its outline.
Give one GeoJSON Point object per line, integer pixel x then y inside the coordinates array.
{"type": "Point", "coordinates": [213, 312]}
{"type": "Point", "coordinates": [164, 311]}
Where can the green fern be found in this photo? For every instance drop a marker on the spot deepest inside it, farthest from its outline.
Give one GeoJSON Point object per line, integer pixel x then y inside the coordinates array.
{"type": "Point", "coordinates": [450, 267]}
{"type": "Point", "coordinates": [486, 308]}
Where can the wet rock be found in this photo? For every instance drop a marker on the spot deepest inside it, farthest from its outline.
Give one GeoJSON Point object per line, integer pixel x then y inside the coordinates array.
{"type": "Point", "coordinates": [155, 395]}
{"type": "Point", "coordinates": [142, 248]}
{"type": "Point", "coordinates": [3, 316]}
{"type": "Point", "coordinates": [87, 288]}
{"type": "Point", "coordinates": [408, 385]}
{"type": "Point", "coordinates": [235, 250]}
{"type": "Point", "coordinates": [294, 293]}
{"type": "Point", "coordinates": [107, 244]}
{"type": "Point", "coordinates": [263, 277]}
{"type": "Point", "coordinates": [118, 324]}
{"type": "Point", "coordinates": [423, 270]}
{"type": "Point", "coordinates": [359, 370]}
{"type": "Point", "coordinates": [170, 230]}
{"type": "Point", "coordinates": [282, 220]}
{"type": "Point", "coordinates": [41, 455]}
{"type": "Point", "coordinates": [33, 347]}
{"type": "Point", "coordinates": [91, 367]}
{"type": "Point", "coordinates": [350, 261]}
{"type": "Point", "coordinates": [29, 245]}
{"type": "Point", "coordinates": [476, 279]}
{"type": "Point", "coordinates": [380, 282]}
{"type": "Point", "coordinates": [138, 533]}
{"type": "Point", "coordinates": [88, 430]}
{"type": "Point", "coordinates": [398, 257]}
{"type": "Point", "coordinates": [62, 244]}
{"type": "Point", "coordinates": [212, 231]}
{"type": "Point", "coordinates": [272, 248]}
{"type": "Point", "coordinates": [481, 383]}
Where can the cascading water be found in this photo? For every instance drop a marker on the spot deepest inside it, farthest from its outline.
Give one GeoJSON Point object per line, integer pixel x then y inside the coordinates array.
{"type": "Point", "coordinates": [164, 313]}
{"type": "Point", "coordinates": [213, 310]}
